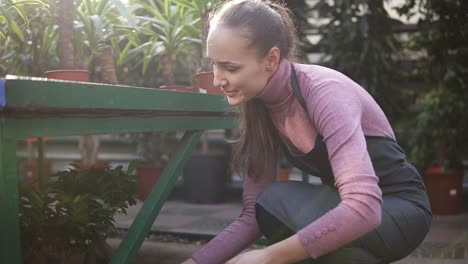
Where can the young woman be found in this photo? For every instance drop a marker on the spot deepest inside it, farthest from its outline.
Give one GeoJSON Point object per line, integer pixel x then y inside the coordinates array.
{"type": "Point", "coordinates": [372, 206]}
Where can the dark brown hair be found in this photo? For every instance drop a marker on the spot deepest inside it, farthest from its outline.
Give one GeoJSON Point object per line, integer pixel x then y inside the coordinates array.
{"type": "Point", "coordinates": [267, 25]}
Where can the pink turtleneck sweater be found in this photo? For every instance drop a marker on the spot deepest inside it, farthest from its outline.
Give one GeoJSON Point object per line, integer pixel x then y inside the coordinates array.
{"type": "Point", "coordinates": [342, 112]}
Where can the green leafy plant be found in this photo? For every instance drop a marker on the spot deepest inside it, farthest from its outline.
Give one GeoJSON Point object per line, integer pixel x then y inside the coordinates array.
{"type": "Point", "coordinates": [8, 11]}
{"type": "Point", "coordinates": [440, 140]}
{"type": "Point", "coordinates": [28, 35]}
{"type": "Point", "coordinates": [169, 29]}
{"type": "Point", "coordinates": [104, 30]}
{"type": "Point", "coordinates": [200, 9]}
{"type": "Point", "coordinates": [73, 214]}
{"type": "Point", "coordinates": [442, 110]}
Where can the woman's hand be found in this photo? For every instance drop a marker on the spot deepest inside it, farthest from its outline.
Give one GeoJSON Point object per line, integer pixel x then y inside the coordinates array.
{"type": "Point", "coordinates": [189, 261]}
{"type": "Point", "coordinates": [253, 257]}
{"type": "Point", "coordinates": [289, 250]}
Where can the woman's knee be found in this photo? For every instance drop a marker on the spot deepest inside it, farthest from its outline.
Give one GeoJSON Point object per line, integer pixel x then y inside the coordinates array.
{"type": "Point", "coordinates": [274, 191]}
{"type": "Point", "coordinates": [403, 228]}
{"type": "Point", "coordinates": [270, 226]}
{"type": "Point", "coordinates": [265, 210]}
{"type": "Point", "coordinates": [283, 192]}
{"type": "Point", "coordinates": [297, 203]}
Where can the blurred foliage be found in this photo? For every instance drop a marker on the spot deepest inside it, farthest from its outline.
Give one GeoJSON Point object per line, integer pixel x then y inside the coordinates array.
{"type": "Point", "coordinates": [358, 40]}
{"type": "Point", "coordinates": [170, 33]}
{"type": "Point", "coordinates": [441, 127]}
{"type": "Point", "coordinates": [301, 12]}
{"type": "Point", "coordinates": [29, 48]}
{"type": "Point", "coordinates": [201, 9]}
{"type": "Point", "coordinates": [442, 112]}
{"type": "Point", "coordinates": [74, 213]}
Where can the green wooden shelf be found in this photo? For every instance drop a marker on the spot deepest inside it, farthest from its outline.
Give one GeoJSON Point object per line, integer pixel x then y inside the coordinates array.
{"type": "Point", "coordinates": [35, 107]}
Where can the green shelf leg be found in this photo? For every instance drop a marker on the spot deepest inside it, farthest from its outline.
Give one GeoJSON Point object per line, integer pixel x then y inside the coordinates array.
{"type": "Point", "coordinates": [40, 161]}
{"type": "Point", "coordinates": [10, 245]}
{"type": "Point", "coordinates": [155, 201]}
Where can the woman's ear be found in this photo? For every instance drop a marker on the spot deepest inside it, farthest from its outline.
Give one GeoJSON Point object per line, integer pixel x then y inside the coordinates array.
{"type": "Point", "coordinates": [272, 59]}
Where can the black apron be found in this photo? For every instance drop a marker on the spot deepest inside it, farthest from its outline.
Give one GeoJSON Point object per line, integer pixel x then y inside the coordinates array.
{"type": "Point", "coordinates": [286, 207]}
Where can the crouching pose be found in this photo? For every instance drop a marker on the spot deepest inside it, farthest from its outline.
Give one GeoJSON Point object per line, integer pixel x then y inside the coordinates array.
{"type": "Point", "coordinates": [372, 206]}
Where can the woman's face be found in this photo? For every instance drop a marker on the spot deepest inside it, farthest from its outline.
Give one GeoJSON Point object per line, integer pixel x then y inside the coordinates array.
{"type": "Point", "coordinates": [238, 70]}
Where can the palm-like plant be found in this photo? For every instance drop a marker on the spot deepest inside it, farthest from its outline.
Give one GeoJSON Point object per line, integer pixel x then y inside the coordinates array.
{"type": "Point", "coordinates": [8, 13]}
{"type": "Point", "coordinates": [25, 49]}
{"type": "Point", "coordinates": [103, 28]}
{"type": "Point", "coordinates": [169, 33]}
{"type": "Point", "coordinates": [201, 9]}
{"type": "Point", "coordinates": [95, 29]}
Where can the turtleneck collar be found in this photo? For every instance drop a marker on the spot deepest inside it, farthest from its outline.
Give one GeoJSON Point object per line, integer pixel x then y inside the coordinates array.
{"type": "Point", "coordinates": [278, 89]}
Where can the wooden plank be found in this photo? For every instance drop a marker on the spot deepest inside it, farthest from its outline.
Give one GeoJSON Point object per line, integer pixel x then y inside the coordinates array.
{"type": "Point", "coordinates": [153, 204]}
{"type": "Point", "coordinates": [60, 94]}
{"type": "Point", "coordinates": [23, 128]}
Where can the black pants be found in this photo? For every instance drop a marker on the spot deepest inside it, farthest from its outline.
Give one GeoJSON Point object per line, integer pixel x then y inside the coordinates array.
{"type": "Point", "coordinates": [286, 207]}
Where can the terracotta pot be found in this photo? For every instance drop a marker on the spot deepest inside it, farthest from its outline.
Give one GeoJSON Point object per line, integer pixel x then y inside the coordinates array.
{"type": "Point", "coordinates": [283, 174]}
{"type": "Point", "coordinates": [30, 172]}
{"type": "Point", "coordinates": [147, 176]}
{"type": "Point", "coordinates": [445, 190]}
{"type": "Point", "coordinates": [205, 81]}
{"type": "Point", "coordinates": [68, 75]}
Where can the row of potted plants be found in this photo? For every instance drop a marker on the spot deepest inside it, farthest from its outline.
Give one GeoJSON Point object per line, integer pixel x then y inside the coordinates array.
{"type": "Point", "coordinates": [85, 33]}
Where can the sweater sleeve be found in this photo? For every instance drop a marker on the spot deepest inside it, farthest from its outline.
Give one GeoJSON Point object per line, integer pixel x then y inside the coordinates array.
{"type": "Point", "coordinates": [337, 112]}
{"type": "Point", "coordinates": [242, 232]}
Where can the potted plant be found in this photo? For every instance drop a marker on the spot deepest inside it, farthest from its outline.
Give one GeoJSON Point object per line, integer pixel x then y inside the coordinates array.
{"type": "Point", "coordinates": [169, 31]}
{"type": "Point", "coordinates": [89, 44]}
{"type": "Point", "coordinates": [205, 173]}
{"type": "Point", "coordinates": [440, 144]}
{"type": "Point", "coordinates": [73, 68]}
{"type": "Point", "coordinates": [68, 220]}
{"type": "Point", "coordinates": [27, 50]}
{"type": "Point", "coordinates": [153, 149]}
{"type": "Point", "coordinates": [201, 8]}
{"type": "Point", "coordinates": [205, 81]}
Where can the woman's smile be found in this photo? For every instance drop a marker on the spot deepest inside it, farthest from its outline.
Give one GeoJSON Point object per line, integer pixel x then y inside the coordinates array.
{"type": "Point", "coordinates": [230, 93]}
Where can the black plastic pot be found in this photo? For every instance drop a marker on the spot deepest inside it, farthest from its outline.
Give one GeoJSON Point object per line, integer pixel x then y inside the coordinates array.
{"type": "Point", "coordinates": [205, 178]}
